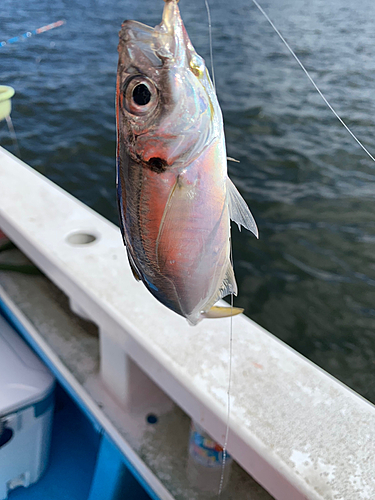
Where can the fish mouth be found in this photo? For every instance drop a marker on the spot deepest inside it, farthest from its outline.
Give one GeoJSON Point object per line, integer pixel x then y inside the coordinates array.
{"type": "Point", "coordinates": [166, 44]}
{"type": "Point", "coordinates": [173, 38]}
{"type": "Point", "coordinates": [171, 14]}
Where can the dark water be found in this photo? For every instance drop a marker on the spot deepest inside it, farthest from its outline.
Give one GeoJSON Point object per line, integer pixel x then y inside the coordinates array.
{"type": "Point", "coordinates": [310, 279]}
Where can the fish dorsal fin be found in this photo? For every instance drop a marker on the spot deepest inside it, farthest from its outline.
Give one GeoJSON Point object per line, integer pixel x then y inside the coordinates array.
{"type": "Point", "coordinates": [222, 312]}
{"type": "Point", "coordinates": [133, 267]}
{"type": "Point", "coordinates": [239, 212]}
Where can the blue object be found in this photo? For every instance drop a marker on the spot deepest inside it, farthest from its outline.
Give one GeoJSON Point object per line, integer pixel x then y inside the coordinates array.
{"type": "Point", "coordinates": [113, 479]}
{"type": "Point", "coordinates": [85, 463]}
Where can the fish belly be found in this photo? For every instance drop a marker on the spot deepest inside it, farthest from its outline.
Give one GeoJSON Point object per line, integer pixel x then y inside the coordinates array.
{"type": "Point", "coordinates": [176, 228]}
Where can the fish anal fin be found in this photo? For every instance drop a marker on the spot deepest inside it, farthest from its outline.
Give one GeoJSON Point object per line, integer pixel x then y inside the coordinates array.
{"type": "Point", "coordinates": [239, 212]}
{"type": "Point", "coordinates": [227, 287]}
{"type": "Point", "coordinates": [222, 312]}
{"type": "Point", "coordinates": [229, 284]}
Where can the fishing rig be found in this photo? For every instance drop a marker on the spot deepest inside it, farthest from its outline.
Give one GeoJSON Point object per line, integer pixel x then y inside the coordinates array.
{"type": "Point", "coordinates": [28, 34]}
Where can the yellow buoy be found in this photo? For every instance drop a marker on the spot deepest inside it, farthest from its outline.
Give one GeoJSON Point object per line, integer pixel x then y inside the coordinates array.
{"type": "Point", "coordinates": [6, 93]}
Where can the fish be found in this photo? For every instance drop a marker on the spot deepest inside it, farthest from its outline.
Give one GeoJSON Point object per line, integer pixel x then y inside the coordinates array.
{"type": "Point", "coordinates": [174, 195]}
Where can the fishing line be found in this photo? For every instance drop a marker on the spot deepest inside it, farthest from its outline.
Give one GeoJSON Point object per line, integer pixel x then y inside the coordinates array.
{"type": "Point", "coordinates": [225, 447]}
{"type": "Point", "coordinates": [210, 36]}
{"type": "Point", "coordinates": [312, 81]}
{"type": "Point", "coordinates": [225, 453]}
{"type": "Point", "coordinates": [231, 296]}
{"type": "Point", "coordinates": [231, 300]}
{"type": "Point", "coordinates": [13, 135]}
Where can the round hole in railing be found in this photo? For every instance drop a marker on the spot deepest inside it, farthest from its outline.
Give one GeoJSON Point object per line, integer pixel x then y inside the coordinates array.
{"type": "Point", "coordinates": [81, 238]}
{"type": "Point", "coordinates": [151, 418]}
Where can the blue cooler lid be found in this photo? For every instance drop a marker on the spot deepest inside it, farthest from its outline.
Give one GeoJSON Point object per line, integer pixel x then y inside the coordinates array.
{"type": "Point", "coordinates": [24, 379]}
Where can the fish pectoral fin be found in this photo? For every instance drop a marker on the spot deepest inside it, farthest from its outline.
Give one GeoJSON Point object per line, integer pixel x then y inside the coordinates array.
{"type": "Point", "coordinates": [166, 222]}
{"type": "Point", "coordinates": [222, 312]}
{"type": "Point", "coordinates": [239, 212]}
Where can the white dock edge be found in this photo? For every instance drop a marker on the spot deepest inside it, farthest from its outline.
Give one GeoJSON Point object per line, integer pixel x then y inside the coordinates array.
{"type": "Point", "coordinates": [299, 432]}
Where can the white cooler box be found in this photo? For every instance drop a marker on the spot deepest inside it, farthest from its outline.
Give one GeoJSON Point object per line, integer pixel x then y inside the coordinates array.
{"type": "Point", "coordinates": [26, 412]}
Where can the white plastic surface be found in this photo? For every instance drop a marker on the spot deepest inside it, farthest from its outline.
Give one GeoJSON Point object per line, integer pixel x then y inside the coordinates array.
{"type": "Point", "coordinates": [299, 432]}
{"type": "Point", "coordinates": [24, 380]}
{"type": "Point", "coordinates": [24, 458]}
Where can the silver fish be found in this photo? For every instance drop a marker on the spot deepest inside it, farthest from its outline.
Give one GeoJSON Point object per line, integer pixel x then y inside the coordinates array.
{"type": "Point", "coordinates": [175, 198]}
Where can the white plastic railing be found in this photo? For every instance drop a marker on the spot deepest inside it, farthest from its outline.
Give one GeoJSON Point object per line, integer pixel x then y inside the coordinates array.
{"type": "Point", "coordinates": [299, 432]}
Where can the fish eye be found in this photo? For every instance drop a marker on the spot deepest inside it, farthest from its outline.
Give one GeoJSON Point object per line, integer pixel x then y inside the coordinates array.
{"type": "Point", "coordinates": [141, 95]}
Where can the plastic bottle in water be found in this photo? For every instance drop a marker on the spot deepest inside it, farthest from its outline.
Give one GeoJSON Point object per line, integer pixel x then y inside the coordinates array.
{"type": "Point", "coordinates": [205, 461]}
